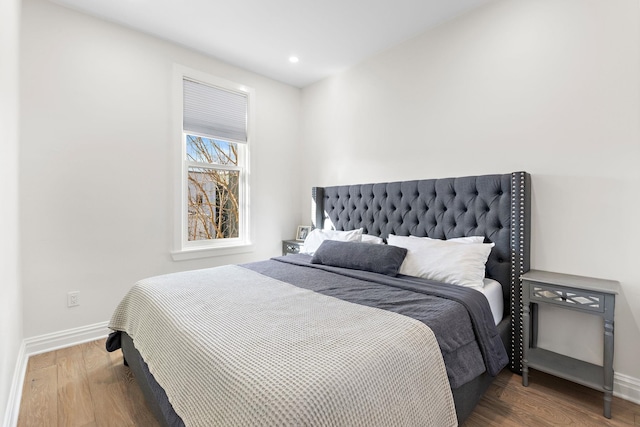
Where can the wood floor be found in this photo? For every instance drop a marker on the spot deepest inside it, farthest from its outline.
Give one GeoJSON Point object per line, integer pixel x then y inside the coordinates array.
{"type": "Point", "coordinates": [86, 386]}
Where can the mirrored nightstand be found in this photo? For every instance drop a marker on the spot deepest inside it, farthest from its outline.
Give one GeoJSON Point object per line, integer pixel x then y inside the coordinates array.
{"type": "Point", "coordinates": [584, 294]}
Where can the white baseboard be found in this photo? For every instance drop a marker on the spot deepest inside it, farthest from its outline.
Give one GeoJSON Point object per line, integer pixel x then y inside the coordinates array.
{"type": "Point", "coordinates": [626, 387]}
{"type": "Point", "coordinates": [66, 338]}
{"type": "Point", "coordinates": [42, 344]}
{"type": "Point", "coordinates": [15, 393]}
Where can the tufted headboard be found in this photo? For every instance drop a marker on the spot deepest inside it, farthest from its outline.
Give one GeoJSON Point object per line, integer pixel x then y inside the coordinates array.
{"type": "Point", "coordinates": [495, 206]}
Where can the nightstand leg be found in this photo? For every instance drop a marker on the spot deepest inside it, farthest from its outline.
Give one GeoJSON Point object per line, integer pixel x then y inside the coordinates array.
{"type": "Point", "coordinates": [525, 344]}
{"type": "Point", "coordinates": [608, 366]}
{"type": "Point", "coordinates": [533, 316]}
{"type": "Point", "coordinates": [607, 403]}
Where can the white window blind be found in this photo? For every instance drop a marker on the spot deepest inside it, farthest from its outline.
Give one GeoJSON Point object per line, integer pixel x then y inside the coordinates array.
{"type": "Point", "coordinates": [214, 112]}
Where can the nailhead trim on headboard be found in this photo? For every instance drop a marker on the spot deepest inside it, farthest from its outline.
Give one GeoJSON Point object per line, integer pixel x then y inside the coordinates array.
{"type": "Point", "coordinates": [520, 214]}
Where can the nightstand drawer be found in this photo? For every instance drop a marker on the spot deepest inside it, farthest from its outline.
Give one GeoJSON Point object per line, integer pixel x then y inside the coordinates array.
{"type": "Point", "coordinates": [291, 246]}
{"type": "Point", "coordinates": [568, 297]}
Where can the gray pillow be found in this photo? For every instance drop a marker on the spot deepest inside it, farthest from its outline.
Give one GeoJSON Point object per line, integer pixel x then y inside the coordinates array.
{"type": "Point", "coordinates": [383, 259]}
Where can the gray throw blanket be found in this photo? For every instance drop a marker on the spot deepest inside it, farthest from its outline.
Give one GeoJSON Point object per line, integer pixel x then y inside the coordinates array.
{"type": "Point", "coordinates": [460, 317]}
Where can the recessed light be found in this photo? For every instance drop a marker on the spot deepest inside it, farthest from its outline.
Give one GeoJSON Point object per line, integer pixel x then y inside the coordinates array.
{"type": "Point", "coordinates": [293, 59]}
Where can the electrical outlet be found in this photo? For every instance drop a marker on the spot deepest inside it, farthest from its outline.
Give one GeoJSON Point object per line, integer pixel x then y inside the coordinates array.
{"type": "Point", "coordinates": [73, 299]}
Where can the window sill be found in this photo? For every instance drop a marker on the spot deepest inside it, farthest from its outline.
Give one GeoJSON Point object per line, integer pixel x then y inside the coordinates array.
{"type": "Point", "coordinates": [195, 253]}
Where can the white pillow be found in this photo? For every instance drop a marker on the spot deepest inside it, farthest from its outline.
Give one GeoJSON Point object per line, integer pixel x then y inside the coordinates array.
{"type": "Point", "coordinates": [445, 261]}
{"type": "Point", "coordinates": [317, 236]}
{"type": "Point", "coordinates": [366, 238]}
{"type": "Point", "coordinates": [468, 239]}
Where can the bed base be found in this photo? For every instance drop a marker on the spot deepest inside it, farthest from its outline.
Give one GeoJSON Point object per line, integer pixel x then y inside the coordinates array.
{"type": "Point", "coordinates": [154, 394]}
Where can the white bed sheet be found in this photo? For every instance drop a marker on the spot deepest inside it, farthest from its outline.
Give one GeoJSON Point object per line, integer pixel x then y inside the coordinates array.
{"type": "Point", "coordinates": [492, 290]}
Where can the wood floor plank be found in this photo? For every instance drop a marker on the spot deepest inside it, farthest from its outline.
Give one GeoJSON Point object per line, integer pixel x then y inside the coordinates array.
{"type": "Point", "coordinates": [39, 406]}
{"type": "Point", "coordinates": [75, 407]}
{"type": "Point", "coordinates": [89, 387]}
{"type": "Point", "coordinates": [42, 360]}
{"type": "Point", "coordinates": [109, 399]}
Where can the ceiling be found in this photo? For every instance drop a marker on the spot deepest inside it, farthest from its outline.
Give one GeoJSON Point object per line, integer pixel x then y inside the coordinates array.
{"type": "Point", "coordinates": [327, 36]}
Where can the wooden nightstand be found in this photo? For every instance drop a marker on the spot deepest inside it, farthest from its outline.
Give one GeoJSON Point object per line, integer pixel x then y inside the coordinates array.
{"type": "Point", "coordinates": [291, 246]}
{"type": "Point", "coordinates": [584, 294]}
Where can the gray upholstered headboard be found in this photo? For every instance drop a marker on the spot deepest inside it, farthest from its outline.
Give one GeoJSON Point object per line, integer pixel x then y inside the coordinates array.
{"type": "Point", "coordinates": [495, 206]}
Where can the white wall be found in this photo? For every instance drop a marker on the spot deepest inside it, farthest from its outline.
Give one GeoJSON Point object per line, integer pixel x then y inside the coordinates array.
{"type": "Point", "coordinates": [10, 302]}
{"type": "Point", "coordinates": [96, 191]}
{"type": "Point", "coordinates": [550, 87]}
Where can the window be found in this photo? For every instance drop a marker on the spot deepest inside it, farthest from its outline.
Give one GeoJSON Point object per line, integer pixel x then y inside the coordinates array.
{"type": "Point", "coordinates": [213, 203]}
{"type": "Point", "coordinates": [213, 189]}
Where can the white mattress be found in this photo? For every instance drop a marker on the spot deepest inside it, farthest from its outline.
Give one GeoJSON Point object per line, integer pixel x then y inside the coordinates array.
{"type": "Point", "coordinates": [492, 290]}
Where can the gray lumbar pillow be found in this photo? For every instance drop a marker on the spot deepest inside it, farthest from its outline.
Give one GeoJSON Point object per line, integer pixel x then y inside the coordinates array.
{"type": "Point", "coordinates": [383, 259]}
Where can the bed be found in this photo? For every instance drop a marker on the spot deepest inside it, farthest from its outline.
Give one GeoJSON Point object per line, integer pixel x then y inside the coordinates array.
{"type": "Point", "coordinates": [374, 371]}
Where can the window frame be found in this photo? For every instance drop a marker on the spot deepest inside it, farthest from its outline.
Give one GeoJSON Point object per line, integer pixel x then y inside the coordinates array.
{"type": "Point", "coordinates": [183, 249]}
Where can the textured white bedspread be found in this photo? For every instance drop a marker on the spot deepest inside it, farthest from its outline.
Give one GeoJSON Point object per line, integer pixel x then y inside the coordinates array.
{"type": "Point", "coordinates": [232, 347]}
